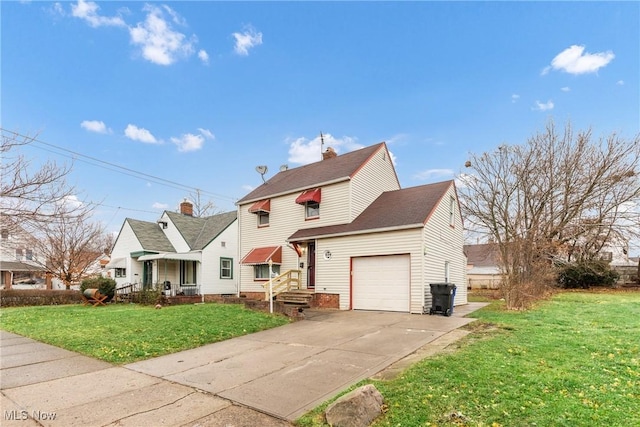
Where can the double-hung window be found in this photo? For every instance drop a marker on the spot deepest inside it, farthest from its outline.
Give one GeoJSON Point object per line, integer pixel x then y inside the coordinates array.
{"type": "Point", "coordinates": [226, 268]}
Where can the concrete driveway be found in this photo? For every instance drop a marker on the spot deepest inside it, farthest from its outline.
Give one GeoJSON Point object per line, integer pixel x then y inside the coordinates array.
{"type": "Point", "coordinates": [282, 372]}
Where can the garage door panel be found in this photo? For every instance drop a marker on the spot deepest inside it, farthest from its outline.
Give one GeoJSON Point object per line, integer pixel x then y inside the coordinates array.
{"type": "Point", "coordinates": [381, 283]}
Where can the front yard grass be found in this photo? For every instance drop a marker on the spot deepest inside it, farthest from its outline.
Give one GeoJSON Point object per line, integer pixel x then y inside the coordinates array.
{"type": "Point", "coordinates": [127, 333]}
{"type": "Point", "coordinates": [571, 361]}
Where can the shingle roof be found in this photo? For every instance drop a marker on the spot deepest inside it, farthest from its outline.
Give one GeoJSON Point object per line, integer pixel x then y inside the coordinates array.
{"type": "Point", "coordinates": [314, 174]}
{"type": "Point", "coordinates": [482, 255]}
{"type": "Point", "coordinates": [19, 266]}
{"type": "Point", "coordinates": [392, 209]}
{"type": "Point", "coordinates": [199, 232]}
{"type": "Point", "coordinates": [150, 236]}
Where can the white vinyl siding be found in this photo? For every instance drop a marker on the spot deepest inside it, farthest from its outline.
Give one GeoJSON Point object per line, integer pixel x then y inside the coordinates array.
{"type": "Point", "coordinates": [444, 244]}
{"type": "Point", "coordinates": [209, 274]}
{"type": "Point", "coordinates": [286, 217]}
{"type": "Point", "coordinates": [375, 177]}
{"type": "Point", "coordinates": [174, 236]}
{"type": "Point", "coordinates": [333, 275]}
{"type": "Point", "coordinates": [126, 243]}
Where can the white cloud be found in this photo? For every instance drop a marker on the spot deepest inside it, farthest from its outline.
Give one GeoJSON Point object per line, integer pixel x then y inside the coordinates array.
{"type": "Point", "coordinates": [160, 44]}
{"type": "Point", "coordinates": [565, 89]}
{"type": "Point", "coordinates": [206, 133]}
{"type": "Point", "coordinates": [139, 134]}
{"type": "Point", "coordinates": [175, 17]}
{"type": "Point", "coordinates": [433, 174]}
{"type": "Point", "coordinates": [574, 60]}
{"type": "Point", "coordinates": [96, 126]}
{"type": "Point", "coordinates": [70, 202]}
{"type": "Point", "coordinates": [158, 205]}
{"type": "Point", "coordinates": [204, 56]}
{"type": "Point", "coordinates": [515, 97]}
{"type": "Point", "coordinates": [620, 82]}
{"type": "Point", "coordinates": [464, 179]}
{"type": "Point", "coordinates": [304, 151]}
{"type": "Point", "coordinates": [247, 40]}
{"type": "Point", "coordinates": [57, 9]}
{"type": "Point", "coordinates": [543, 106]}
{"type": "Point", "coordinates": [248, 188]}
{"type": "Point", "coordinates": [88, 11]}
{"type": "Point", "coordinates": [188, 142]}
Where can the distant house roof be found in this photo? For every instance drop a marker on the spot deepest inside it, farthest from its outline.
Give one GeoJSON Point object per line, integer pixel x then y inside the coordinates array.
{"type": "Point", "coordinates": [199, 232]}
{"type": "Point", "coordinates": [19, 266]}
{"type": "Point", "coordinates": [335, 169]}
{"type": "Point", "coordinates": [150, 236]}
{"type": "Point", "coordinates": [405, 208]}
{"type": "Point", "coordinates": [482, 255]}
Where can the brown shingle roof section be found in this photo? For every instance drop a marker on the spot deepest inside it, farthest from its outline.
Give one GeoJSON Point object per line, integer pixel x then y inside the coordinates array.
{"type": "Point", "coordinates": [314, 174]}
{"type": "Point", "coordinates": [482, 255]}
{"type": "Point", "coordinates": [392, 209]}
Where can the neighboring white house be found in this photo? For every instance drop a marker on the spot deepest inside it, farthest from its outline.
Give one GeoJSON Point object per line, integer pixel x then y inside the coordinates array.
{"type": "Point", "coordinates": [20, 266]}
{"type": "Point", "coordinates": [189, 255]}
{"type": "Point", "coordinates": [358, 240]}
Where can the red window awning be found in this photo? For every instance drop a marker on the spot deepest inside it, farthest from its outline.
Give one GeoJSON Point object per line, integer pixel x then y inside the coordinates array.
{"type": "Point", "coordinates": [309, 196]}
{"type": "Point", "coordinates": [261, 206]}
{"type": "Point", "coordinates": [262, 255]}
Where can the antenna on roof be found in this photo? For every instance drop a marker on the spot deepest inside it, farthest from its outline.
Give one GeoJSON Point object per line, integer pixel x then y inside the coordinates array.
{"type": "Point", "coordinates": [262, 169]}
{"type": "Point", "coordinates": [321, 144]}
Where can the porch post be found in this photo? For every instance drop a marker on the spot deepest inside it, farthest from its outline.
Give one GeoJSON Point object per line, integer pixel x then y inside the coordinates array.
{"type": "Point", "coordinates": [270, 286]}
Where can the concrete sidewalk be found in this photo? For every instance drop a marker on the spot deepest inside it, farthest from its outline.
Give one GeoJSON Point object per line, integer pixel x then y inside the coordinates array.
{"type": "Point", "coordinates": [282, 372]}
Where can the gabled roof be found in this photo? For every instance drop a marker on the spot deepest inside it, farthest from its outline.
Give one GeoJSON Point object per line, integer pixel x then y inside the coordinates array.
{"type": "Point", "coordinates": [335, 169]}
{"type": "Point", "coordinates": [398, 209]}
{"type": "Point", "coordinates": [482, 255]}
{"type": "Point", "coordinates": [150, 236]}
{"type": "Point", "coordinates": [199, 232]}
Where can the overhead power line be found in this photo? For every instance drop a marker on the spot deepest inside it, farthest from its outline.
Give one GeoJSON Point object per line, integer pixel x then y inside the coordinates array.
{"type": "Point", "coordinates": [74, 155]}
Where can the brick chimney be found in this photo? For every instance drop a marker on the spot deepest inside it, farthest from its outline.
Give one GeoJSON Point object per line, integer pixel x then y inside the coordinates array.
{"type": "Point", "coordinates": [329, 154]}
{"type": "Point", "coordinates": [186, 208]}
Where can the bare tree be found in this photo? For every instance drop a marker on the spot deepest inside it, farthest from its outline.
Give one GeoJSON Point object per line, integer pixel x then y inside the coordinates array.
{"type": "Point", "coordinates": [71, 247]}
{"type": "Point", "coordinates": [201, 208]}
{"type": "Point", "coordinates": [31, 195]}
{"type": "Point", "coordinates": [559, 195]}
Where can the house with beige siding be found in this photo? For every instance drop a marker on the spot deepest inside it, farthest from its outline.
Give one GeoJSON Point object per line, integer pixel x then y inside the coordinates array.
{"type": "Point", "coordinates": [343, 230]}
{"type": "Point", "coordinates": [184, 254]}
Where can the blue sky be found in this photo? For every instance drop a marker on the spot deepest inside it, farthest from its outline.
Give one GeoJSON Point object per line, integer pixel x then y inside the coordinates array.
{"type": "Point", "coordinates": [199, 93]}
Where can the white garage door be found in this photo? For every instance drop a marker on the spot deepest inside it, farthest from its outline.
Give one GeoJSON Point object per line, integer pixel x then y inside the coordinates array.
{"type": "Point", "coordinates": [381, 283]}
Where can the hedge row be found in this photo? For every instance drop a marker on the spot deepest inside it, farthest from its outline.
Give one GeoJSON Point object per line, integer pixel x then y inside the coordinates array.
{"type": "Point", "coordinates": [27, 297]}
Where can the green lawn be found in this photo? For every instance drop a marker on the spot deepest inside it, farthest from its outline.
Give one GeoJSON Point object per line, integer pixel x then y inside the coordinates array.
{"type": "Point", "coordinates": [128, 333]}
{"type": "Point", "coordinates": [572, 361]}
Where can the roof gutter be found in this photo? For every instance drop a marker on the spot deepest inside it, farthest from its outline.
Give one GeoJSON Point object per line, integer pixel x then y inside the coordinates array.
{"type": "Point", "coordinates": [318, 184]}
{"type": "Point", "coordinates": [358, 232]}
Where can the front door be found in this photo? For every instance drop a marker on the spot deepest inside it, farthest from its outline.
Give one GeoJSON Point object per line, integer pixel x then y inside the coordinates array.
{"type": "Point", "coordinates": [311, 265]}
{"type": "Point", "coordinates": [147, 274]}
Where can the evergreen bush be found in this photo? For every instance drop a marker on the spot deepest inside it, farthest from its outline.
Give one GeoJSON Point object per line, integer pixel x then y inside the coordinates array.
{"type": "Point", "coordinates": [586, 274]}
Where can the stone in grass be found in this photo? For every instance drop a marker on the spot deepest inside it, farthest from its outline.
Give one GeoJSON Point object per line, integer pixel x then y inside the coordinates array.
{"type": "Point", "coordinates": [357, 408]}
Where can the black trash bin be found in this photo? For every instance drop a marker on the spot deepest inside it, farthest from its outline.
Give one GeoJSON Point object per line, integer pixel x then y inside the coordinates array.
{"type": "Point", "coordinates": [442, 295]}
